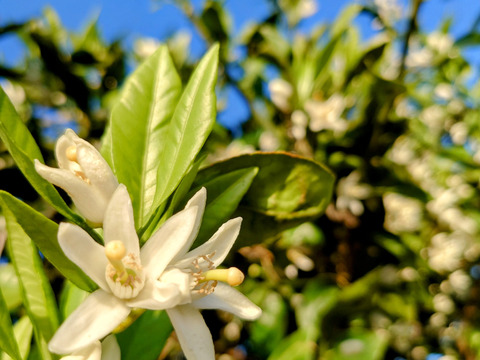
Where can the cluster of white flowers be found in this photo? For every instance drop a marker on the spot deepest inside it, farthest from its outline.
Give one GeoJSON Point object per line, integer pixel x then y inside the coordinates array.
{"type": "Point", "coordinates": [402, 214]}
{"type": "Point", "coordinates": [162, 275]}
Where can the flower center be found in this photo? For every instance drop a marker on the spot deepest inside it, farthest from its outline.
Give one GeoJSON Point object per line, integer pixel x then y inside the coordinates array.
{"type": "Point", "coordinates": [71, 153]}
{"type": "Point", "coordinates": [124, 274]}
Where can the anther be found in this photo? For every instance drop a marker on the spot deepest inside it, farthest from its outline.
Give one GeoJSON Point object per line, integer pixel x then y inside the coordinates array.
{"type": "Point", "coordinates": [231, 276]}
{"type": "Point", "coordinates": [71, 153]}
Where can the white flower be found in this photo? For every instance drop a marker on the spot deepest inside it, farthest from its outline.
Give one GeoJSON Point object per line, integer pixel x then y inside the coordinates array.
{"type": "Point", "coordinates": [127, 277]}
{"type": "Point", "coordinates": [83, 173]}
{"type": "Point", "coordinates": [162, 275]}
{"type": "Point", "coordinates": [202, 286]}
{"type": "Point", "coordinates": [107, 350]}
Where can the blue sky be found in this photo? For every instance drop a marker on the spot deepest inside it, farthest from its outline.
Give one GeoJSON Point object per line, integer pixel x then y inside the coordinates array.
{"type": "Point", "coordinates": [131, 19]}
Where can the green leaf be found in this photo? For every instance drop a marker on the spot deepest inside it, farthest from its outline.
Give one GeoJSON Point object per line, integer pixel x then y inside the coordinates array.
{"type": "Point", "coordinates": [24, 150]}
{"type": "Point", "coordinates": [43, 232]}
{"type": "Point", "coordinates": [146, 337]}
{"type": "Point", "coordinates": [359, 344]}
{"type": "Point", "coordinates": [140, 129]}
{"type": "Point", "coordinates": [38, 297]}
{"type": "Point", "coordinates": [288, 190]}
{"type": "Point", "coordinates": [70, 298]}
{"type": "Point", "coordinates": [190, 126]}
{"type": "Point", "coordinates": [269, 330]}
{"type": "Point", "coordinates": [10, 286]}
{"type": "Point", "coordinates": [7, 339]}
{"type": "Point", "coordinates": [297, 346]}
{"type": "Point", "coordinates": [223, 196]}
{"type": "Point", "coordinates": [23, 335]}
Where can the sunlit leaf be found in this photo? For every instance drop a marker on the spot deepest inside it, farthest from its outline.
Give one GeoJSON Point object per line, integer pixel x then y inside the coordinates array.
{"type": "Point", "coordinates": [23, 335]}
{"type": "Point", "coordinates": [189, 127]}
{"type": "Point", "coordinates": [141, 130]}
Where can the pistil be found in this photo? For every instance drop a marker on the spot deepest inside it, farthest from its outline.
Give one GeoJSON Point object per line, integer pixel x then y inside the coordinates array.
{"type": "Point", "coordinates": [115, 252]}
{"type": "Point", "coordinates": [71, 153]}
{"type": "Point", "coordinates": [232, 276]}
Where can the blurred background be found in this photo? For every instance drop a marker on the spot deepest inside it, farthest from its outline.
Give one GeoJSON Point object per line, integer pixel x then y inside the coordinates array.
{"type": "Point", "coordinates": [384, 92]}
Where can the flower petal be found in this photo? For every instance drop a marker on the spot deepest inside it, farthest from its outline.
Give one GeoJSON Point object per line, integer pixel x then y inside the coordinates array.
{"type": "Point", "coordinates": [110, 348]}
{"type": "Point", "coordinates": [96, 317]}
{"type": "Point", "coordinates": [192, 332]}
{"type": "Point", "coordinates": [96, 169]}
{"type": "Point", "coordinates": [63, 143]}
{"type": "Point", "coordinates": [231, 300]}
{"type": "Point", "coordinates": [118, 223]}
{"type": "Point", "coordinates": [88, 255]}
{"type": "Point", "coordinates": [219, 245]}
{"type": "Point", "coordinates": [91, 352]}
{"type": "Point", "coordinates": [156, 295]}
{"type": "Point", "coordinates": [199, 200]}
{"type": "Point", "coordinates": [165, 243]}
{"type": "Point", "coordinates": [88, 201]}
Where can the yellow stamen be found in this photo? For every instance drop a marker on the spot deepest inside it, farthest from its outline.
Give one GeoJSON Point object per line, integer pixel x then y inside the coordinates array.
{"type": "Point", "coordinates": [71, 153]}
{"type": "Point", "coordinates": [231, 276]}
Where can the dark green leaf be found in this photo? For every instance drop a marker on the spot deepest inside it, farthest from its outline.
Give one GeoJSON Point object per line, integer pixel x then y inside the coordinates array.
{"type": "Point", "coordinates": [287, 191]}
{"type": "Point", "coordinates": [223, 196]}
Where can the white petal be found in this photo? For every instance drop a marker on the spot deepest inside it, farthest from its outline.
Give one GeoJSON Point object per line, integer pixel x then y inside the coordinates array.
{"type": "Point", "coordinates": [95, 318]}
{"type": "Point", "coordinates": [110, 348]}
{"type": "Point", "coordinates": [199, 200]}
{"type": "Point", "coordinates": [91, 352]}
{"type": "Point", "coordinates": [118, 223]}
{"type": "Point", "coordinates": [219, 245]}
{"type": "Point", "coordinates": [96, 169]}
{"type": "Point", "coordinates": [156, 295]}
{"type": "Point", "coordinates": [231, 300]}
{"type": "Point", "coordinates": [63, 143]}
{"type": "Point", "coordinates": [88, 255]}
{"type": "Point", "coordinates": [165, 243]}
{"type": "Point", "coordinates": [89, 203]}
{"type": "Point", "coordinates": [192, 332]}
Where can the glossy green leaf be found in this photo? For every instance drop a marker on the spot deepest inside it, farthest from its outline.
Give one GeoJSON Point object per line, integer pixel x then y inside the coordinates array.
{"type": "Point", "coordinates": [44, 233]}
{"type": "Point", "coordinates": [140, 129]}
{"type": "Point", "coordinates": [223, 196]}
{"type": "Point", "coordinates": [7, 340]}
{"type": "Point", "coordinates": [10, 286]}
{"type": "Point", "coordinates": [146, 337]}
{"type": "Point", "coordinates": [38, 297]}
{"type": "Point", "coordinates": [190, 126]}
{"type": "Point", "coordinates": [23, 335]}
{"type": "Point", "coordinates": [24, 150]}
{"type": "Point", "coordinates": [287, 191]}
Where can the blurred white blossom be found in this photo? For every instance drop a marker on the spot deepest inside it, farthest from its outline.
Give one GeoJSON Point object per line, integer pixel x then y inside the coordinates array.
{"type": "Point", "coordinates": [327, 115]}
{"type": "Point", "coordinates": [402, 214]}
{"type": "Point", "coordinates": [144, 47]}
{"type": "Point", "coordinates": [349, 193]}
{"type": "Point", "coordinates": [281, 93]}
